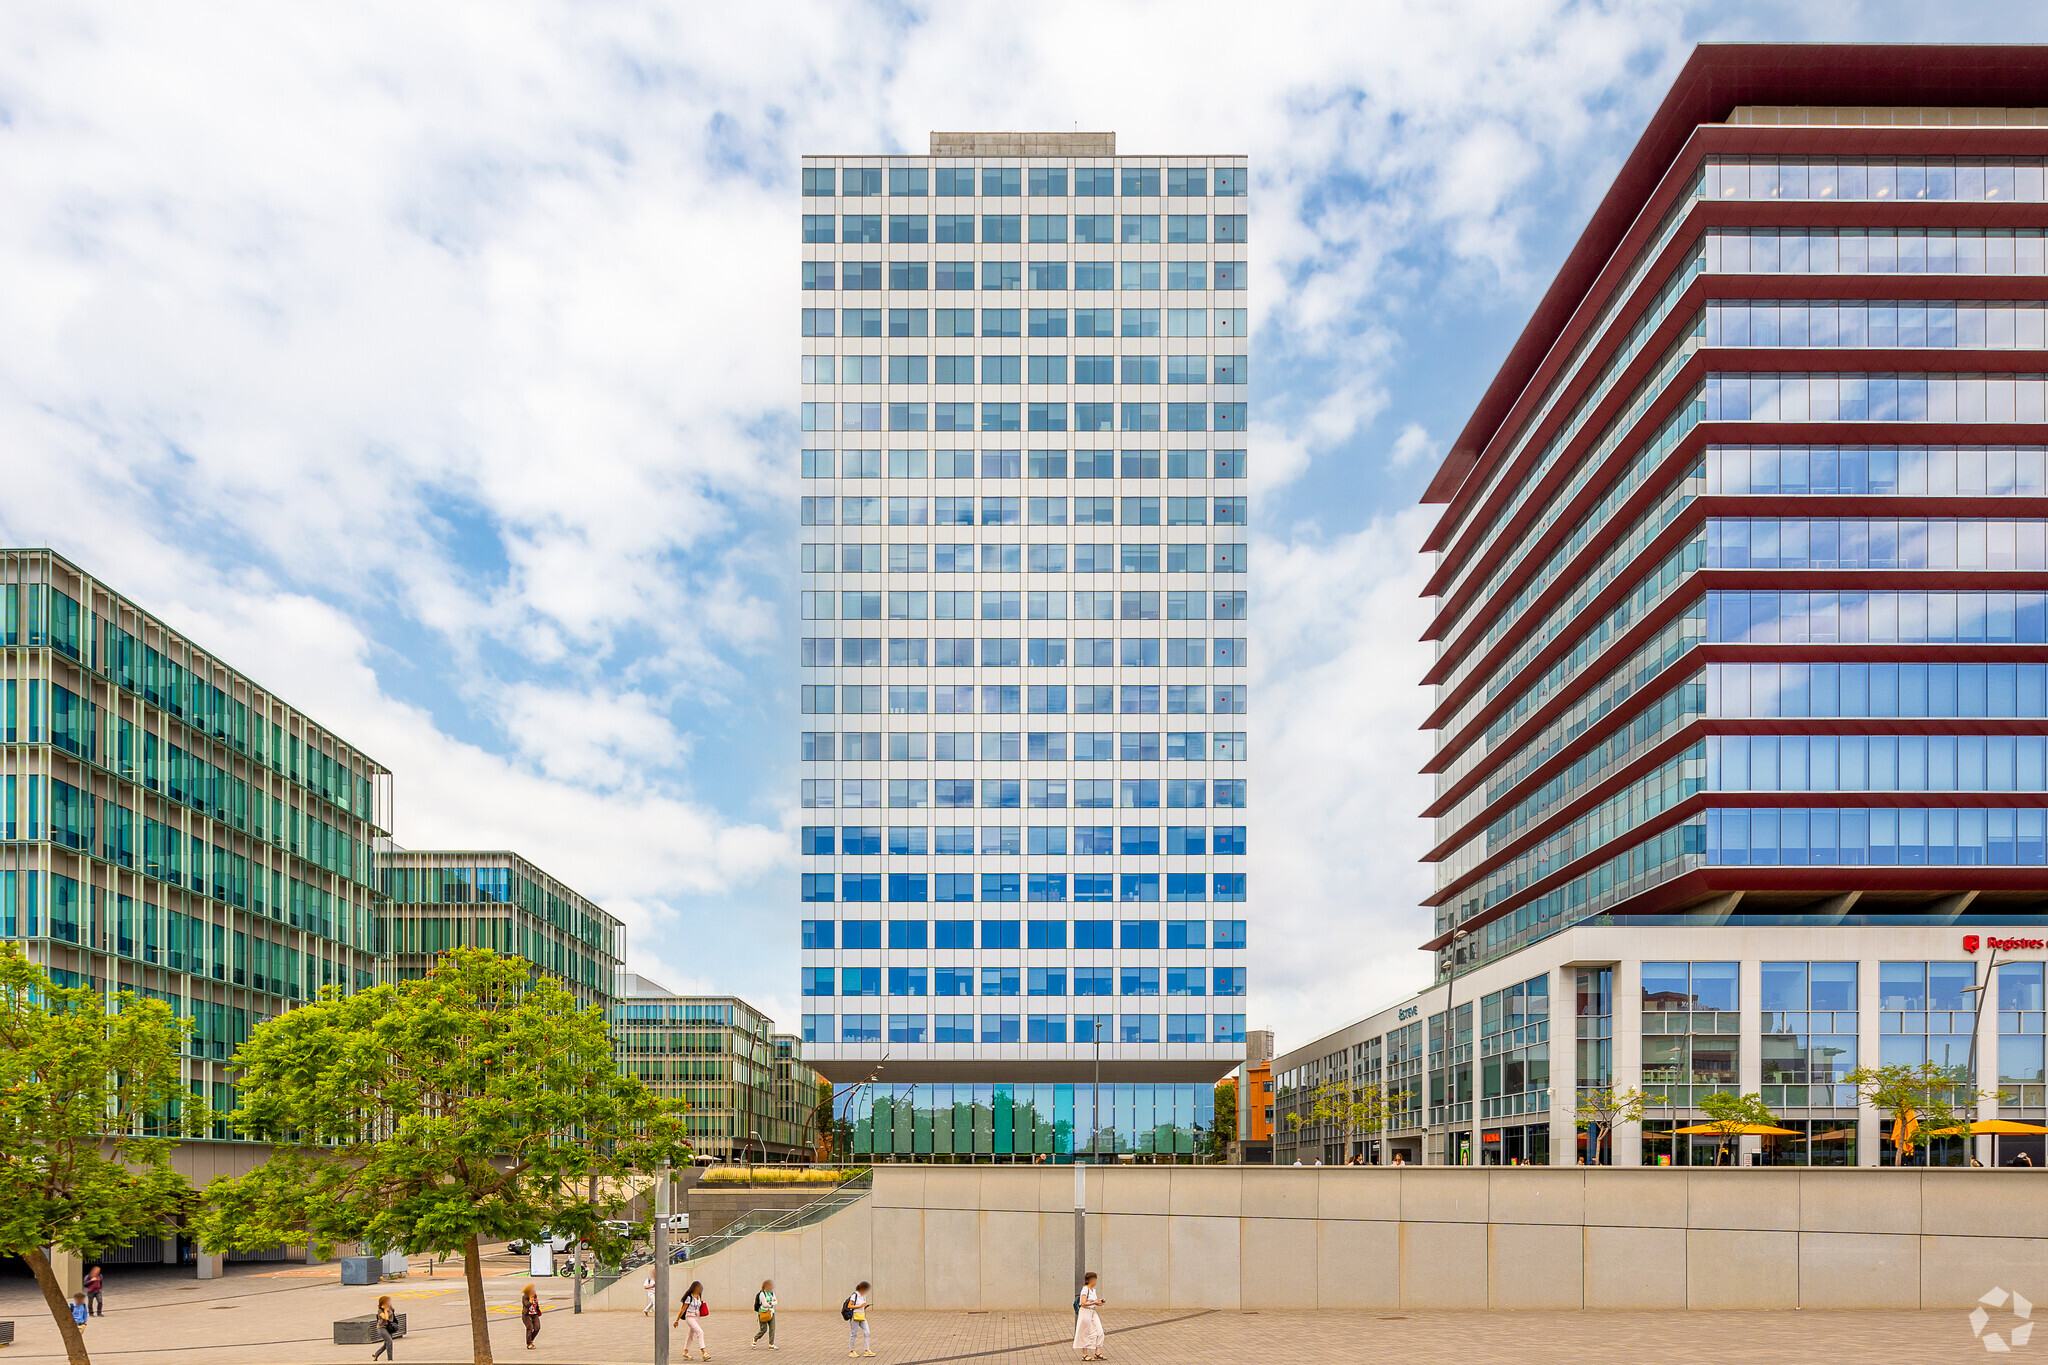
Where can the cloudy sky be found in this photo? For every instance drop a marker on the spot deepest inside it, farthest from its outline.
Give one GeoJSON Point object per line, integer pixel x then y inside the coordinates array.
{"type": "Point", "coordinates": [436, 364]}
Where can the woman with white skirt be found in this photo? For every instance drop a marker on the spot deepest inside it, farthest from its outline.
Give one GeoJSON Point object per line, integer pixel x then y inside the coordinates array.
{"type": "Point", "coordinates": [1088, 1322]}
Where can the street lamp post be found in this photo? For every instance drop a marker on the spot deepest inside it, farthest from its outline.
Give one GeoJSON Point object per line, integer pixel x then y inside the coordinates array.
{"type": "Point", "coordinates": [1451, 1038]}
{"type": "Point", "coordinates": [1095, 1138]}
{"type": "Point", "coordinates": [1981, 990]}
{"type": "Point", "coordinates": [660, 1248]}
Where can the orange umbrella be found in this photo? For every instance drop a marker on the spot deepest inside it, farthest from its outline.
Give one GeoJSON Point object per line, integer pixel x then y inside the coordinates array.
{"type": "Point", "coordinates": [2002, 1126]}
{"type": "Point", "coordinates": [1737, 1130]}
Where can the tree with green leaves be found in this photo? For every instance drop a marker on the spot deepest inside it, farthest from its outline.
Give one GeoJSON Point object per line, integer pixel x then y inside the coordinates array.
{"type": "Point", "coordinates": [1731, 1115]}
{"type": "Point", "coordinates": [1369, 1108]}
{"type": "Point", "coordinates": [83, 1088]}
{"type": "Point", "coordinates": [1223, 1131]}
{"type": "Point", "coordinates": [475, 1104]}
{"type": "Point", "coordinates": [1923, 1098]}
{"type": "Point", "coordinates": [1602, 1108]}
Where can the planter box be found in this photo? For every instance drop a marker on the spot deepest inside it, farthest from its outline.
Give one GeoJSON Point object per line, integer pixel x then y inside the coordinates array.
{"type": "Point", "coordinates": [359, 1270]}
{"type": "Point", "coordinates": [362, 1331]}
{"type": "Point", "coordinates": [6, 1334]}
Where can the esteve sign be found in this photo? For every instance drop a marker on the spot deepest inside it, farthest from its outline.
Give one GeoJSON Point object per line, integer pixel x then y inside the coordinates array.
{"type": "Point", "coordinates": [2004, 945]}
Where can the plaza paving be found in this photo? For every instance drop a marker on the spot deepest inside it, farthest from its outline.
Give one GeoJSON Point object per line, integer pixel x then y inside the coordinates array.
{"type": "Point", "coordinates": [281, 1315]}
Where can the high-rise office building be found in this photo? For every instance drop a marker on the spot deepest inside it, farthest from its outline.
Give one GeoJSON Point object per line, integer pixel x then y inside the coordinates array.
{"type": "Point", "coordinates": [1024, 618]}
{"type": "Point", "coordinates": [1739, 691]}
{"type": "Point", "coordinates": [170, 826]}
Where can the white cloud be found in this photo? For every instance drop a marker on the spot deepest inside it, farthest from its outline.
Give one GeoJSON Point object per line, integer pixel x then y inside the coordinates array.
{"type": "Point", "coordinates": [333, 330]}
{"type": "Point", "coordinates": [1339, 789]}
{"type": "Point", "coordinates": [1411, 445]}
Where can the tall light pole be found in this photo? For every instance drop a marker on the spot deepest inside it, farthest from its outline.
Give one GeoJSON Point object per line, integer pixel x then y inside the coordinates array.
{"type": "Point", "coordinates": [1095, 1138]}
{"type": "Point", "coordinates": [1980, 990]}
{"type": "Point", "coordinates": [661, 1195]}
{"type": "Point", "coordinates": [1451, 1038]}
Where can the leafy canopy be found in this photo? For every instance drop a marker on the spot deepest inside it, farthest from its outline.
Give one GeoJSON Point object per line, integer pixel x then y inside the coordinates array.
{"type": "Point", "coordinates": [1728, 1114]}
{"type": "Point", "coordinates": [1604, 1108]}
{"type": "Point", "coordinates": [475, 1104]}
{"type": "Point", "coordinates": [1924, 1097]}
{"type": "Point", "coordinates": [1368, 1108]}
{"type": "Point", "coordinates": [82, 1087]}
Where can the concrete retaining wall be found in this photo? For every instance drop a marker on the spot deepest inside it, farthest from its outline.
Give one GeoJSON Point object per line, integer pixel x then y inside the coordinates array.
{"type": "Point", "coordinates": [963, 1237]}
{"type": "Point", "coordinates": [712, 1208]}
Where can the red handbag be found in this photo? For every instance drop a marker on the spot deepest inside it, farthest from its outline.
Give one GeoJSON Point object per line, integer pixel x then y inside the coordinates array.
{"type": "Point", "coordinates": [703, 1309]}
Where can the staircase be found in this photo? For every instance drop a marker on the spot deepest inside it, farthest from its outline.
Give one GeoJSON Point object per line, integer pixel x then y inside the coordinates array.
{"type": "Point", "coordinates": [784, 1220]}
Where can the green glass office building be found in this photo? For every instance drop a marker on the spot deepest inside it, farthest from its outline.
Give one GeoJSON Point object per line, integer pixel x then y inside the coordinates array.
{"type": "Point", "coordinates": [170, 826]}
{"type": "Point", "coordinates": [444, 899]}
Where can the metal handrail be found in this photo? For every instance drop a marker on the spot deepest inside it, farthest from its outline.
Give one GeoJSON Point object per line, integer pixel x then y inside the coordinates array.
{"type": "Point", "coordinates": [783, 1220]}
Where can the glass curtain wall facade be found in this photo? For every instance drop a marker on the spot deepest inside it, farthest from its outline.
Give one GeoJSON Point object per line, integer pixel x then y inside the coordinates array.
{"type": "Point", "coordinates": [439, 900]}
{"type": "Point", "coordinates": [169, 826]}
{"type": "Point", "coordinates": [1739, 590]}
{"type": "Point", "coordinates": [796, 1098]}
{"type": "Point", "coordinates": [718, 1054]}
{"type": "Point", "coordinates": [1024, 621]}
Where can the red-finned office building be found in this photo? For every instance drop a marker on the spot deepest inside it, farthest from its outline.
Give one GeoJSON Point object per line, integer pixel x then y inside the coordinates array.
{"type": "Point", "coordinates": [1741, 616]}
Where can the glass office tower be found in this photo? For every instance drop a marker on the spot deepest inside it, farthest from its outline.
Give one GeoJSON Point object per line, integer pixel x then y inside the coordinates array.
{"type": "Point", "coordinates": [1024, 619]}
{"type": "Point", "coordinates": [170, 826]}
{"type": "Point", "coordinates": [1742, 644]}
{"type": "Point", "coordinates": [1739, 592]}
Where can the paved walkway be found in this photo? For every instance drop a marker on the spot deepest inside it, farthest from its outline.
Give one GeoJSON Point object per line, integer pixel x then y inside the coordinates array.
{"type": "Point", "coordinates": [281, 1315]}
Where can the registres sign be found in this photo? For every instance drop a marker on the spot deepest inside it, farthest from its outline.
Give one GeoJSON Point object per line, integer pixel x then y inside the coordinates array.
{"type": "Point", "coordinates": [1971, 943]}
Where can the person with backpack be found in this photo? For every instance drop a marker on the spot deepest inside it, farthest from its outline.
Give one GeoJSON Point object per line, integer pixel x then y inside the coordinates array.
{"type": "Point", "coordinates": [691, 1313]}
{"type": "Point", "coordinates": [855, 1312]}
{"type": "Point", "coordinates": [1087, 1322]}
{"type": "Point", "coordinates": [764, 1309]}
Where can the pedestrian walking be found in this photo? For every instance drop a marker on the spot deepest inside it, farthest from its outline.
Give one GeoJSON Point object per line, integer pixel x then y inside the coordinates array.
{"type": "Point", "coordinates": [94, 1282]}
{"type": "Point", "coordinates": [387, 1328]}
{"type": "Point", "coordinates": [764, 1310]}
{"type": "Point", "coordinates": [529, 1314]}
{"type": "Point", "coordinates": [1088, 1322]}
{"type": "Point", "coordinates": [78, 1309]}
{"type": "Point", "coordinates": [855, 1311]}
{"type": "Point", "coordinates": [690, 1316]}
{"type": "Point", "coordinates": [648, 1285]}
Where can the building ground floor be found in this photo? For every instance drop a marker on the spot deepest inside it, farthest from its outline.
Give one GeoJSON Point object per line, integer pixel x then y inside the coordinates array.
{"type": "Point", "coordinates": [1033, 1122]}
{"type": "Point", "coordinates": [1491, 1067]}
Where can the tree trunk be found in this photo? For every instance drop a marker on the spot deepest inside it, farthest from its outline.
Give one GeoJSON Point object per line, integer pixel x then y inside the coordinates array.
{"type": "Point", "coordinates": [60, 1309]}
{"type": "Point", "coordinates": [479, 1320]}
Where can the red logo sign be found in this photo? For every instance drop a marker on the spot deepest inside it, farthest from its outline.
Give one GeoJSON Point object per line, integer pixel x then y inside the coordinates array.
{"type": "Point", "coordinates": [2004, 945]}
